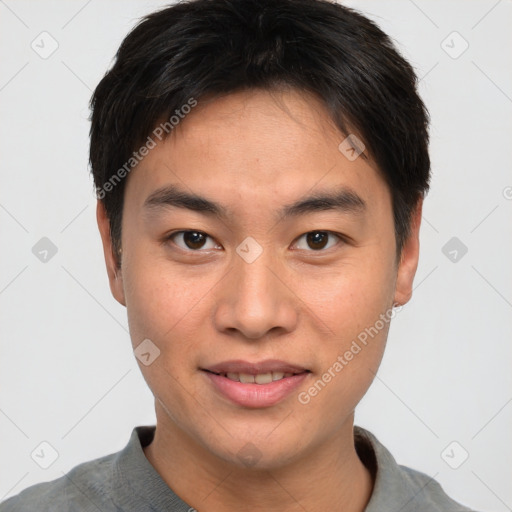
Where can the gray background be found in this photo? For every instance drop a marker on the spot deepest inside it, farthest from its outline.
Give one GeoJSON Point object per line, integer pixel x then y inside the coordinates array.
{"type": "Point", "coordinates": [67, 373]}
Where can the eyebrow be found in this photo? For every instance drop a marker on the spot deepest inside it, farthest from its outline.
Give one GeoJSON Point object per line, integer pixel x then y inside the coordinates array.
{"type": "Point", "coordinates": [342, 199]}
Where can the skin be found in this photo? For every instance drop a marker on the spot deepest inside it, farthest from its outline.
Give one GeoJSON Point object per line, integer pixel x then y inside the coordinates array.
{"type": "Point", "coordinates": [253, 153]}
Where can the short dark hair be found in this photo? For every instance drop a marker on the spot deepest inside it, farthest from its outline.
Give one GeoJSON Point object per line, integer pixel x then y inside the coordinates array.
{"type": "Point", "coordinates": [199, 48]}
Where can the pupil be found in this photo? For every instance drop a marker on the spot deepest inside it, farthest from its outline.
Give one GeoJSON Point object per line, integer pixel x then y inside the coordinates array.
{"type": "Point", "coordinates": [317, 239]}
{"type": "Point", "coordinates": [194, 239]}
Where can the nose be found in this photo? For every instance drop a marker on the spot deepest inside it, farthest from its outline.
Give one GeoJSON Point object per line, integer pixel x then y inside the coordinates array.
{"type": "Point", "coordinates": [256, 299]}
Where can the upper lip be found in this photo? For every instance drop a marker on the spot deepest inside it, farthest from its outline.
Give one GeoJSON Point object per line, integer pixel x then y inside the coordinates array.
{"type": "Point", "coordinates": [259, 367]}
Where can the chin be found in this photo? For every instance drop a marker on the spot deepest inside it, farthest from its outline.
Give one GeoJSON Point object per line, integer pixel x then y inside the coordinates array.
{"type": "Point", "coordinates": [253, 452]}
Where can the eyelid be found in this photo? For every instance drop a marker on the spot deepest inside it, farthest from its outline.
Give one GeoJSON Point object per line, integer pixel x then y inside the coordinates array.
{"type": "Point", "coordinates": [169, 236]}
{"type": "Point", "coordinates": [339, 236]}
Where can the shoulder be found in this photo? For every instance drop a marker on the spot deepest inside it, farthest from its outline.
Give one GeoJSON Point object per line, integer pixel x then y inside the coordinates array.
{"type": "Point", "coordinates": [428, 493]}
{"type": "Point", "coordinates": [85, 488]}
{"type": "Point", "coordinates": [398, 487]}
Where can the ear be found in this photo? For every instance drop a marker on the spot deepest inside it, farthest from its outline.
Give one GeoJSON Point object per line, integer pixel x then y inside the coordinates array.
{"type": "Point", "coordinates": [114, 273]}
{"type": "Point", "coordinates": [409, 259]}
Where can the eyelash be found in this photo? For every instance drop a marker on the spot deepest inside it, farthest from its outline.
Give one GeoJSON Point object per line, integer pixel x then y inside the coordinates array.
{"type": "Point", "coordinates": [340, 237]}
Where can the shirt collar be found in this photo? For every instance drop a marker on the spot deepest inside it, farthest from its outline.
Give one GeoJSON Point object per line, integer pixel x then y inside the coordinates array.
{"type": "Point", "coordinates": [138, 487]}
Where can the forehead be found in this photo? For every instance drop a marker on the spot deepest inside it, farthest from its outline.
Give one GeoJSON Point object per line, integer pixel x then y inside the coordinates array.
{"type": "Point", "coordinates": [248, 145]}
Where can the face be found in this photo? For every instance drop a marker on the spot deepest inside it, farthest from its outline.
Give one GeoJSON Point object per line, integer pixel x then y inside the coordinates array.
{"type": "Point", "coordinates": [255, 255]}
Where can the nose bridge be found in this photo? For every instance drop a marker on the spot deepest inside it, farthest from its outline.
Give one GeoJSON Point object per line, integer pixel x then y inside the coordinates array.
{"type": "Point", "coordinates": [253, 300]}
{"type": "Point", "coordinates": [253, 278]}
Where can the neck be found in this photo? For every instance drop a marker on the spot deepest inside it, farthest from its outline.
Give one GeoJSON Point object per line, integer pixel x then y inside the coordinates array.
{"type": "Point", "coordinates": [329, 477]}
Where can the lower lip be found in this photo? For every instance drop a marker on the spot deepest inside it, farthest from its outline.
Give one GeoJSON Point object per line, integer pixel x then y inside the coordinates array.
{"type": "Point", "coordinates": [256, 395]}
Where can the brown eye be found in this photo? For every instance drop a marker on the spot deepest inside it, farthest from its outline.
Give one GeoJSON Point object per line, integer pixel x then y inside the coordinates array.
{"type": "Point", "coordinates": [192, 240]}
{"type": "Point", "coordinates": [318, 240]}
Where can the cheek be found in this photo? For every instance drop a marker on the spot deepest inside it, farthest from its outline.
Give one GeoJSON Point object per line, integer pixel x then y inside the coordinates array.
{"type": "Point", "coordinates": [352, 297]}
{"type": "Point", "coordinates": [347, 365]}
{"type": "Point", "coordinates": [355, 306]}
{"type": "Point", "coordinates": [165, 308]}
{"type": "Point", "coordinates": [163, 304]}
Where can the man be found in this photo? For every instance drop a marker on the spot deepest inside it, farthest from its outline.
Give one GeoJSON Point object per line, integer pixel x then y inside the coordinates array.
{"type": "Point", "coordinates": [260, 168]}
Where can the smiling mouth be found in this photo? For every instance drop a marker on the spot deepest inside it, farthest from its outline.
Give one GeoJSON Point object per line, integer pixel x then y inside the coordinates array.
{"type": "Point", "coordinates": [259, 378]}
{"type": "Point", "coordinates": [255, 384]}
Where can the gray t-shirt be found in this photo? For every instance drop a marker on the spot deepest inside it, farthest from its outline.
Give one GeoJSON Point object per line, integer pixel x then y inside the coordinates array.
{"type": "Point", "coordinates": [127, 482]}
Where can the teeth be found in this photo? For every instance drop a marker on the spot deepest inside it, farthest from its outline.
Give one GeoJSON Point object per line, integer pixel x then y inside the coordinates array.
{"type": "Point", "coordinates": [261, 378]}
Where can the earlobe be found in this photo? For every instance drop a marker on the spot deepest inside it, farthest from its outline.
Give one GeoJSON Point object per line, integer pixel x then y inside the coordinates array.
{"type": "Point", "coordinates": [409, 259]}
{"type": "Point", "coordinates": [114, 273]}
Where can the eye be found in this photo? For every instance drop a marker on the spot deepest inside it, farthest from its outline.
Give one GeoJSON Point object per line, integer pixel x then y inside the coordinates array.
{"type": "Point", "coordinates": [318, 240]}
{"type": "Point", "coordinates": [192, 240]}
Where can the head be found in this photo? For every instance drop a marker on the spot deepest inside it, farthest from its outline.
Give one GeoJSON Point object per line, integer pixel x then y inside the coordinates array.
{"type": "Point", "coordinates": [260, 168]}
